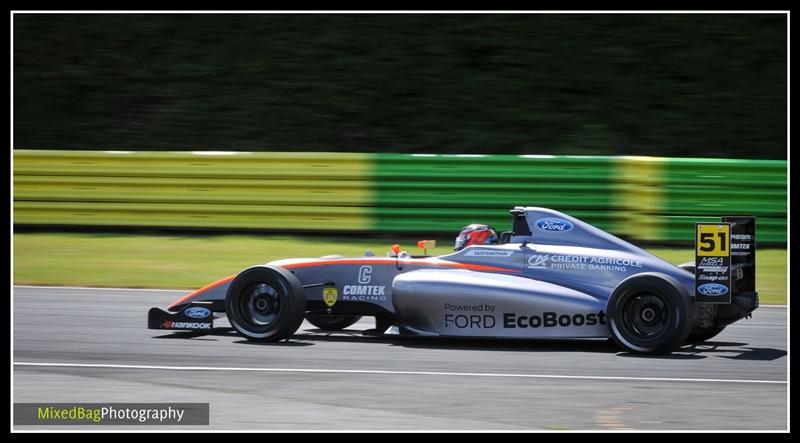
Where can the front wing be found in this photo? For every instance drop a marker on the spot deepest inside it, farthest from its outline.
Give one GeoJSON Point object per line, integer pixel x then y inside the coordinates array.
{"type": "Point", "coordinates": [196, 315]}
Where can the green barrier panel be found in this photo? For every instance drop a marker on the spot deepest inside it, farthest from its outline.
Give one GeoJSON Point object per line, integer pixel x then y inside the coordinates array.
{"type": "Point", "coordinates": [661, 198]}
{"type": "Point", "coordinates": [314, 218]}
{"type": "Point", "coordinates": [638, 191]}
{"type": "Point", "coordinates": [442, 193]}
{"type": "Point", "coordinates": [642, 198]}
{"type": "Point", "coordinates": [231, 165]}
{"type": "Point", "coordinates": [697, 188]}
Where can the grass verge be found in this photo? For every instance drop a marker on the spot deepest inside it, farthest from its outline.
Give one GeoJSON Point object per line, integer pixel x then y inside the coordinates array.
{"type": "Point", "coordinates": [163, 261]}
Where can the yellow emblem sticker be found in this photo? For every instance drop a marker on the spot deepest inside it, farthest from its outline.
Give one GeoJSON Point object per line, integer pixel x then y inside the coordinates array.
{"type": "Point", "coordinates": [713, 240]}
{"type": "Point", "coordinates": [330, 295]}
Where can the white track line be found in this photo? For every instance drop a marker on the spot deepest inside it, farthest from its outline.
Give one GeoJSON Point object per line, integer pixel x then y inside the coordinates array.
{"type": "Point", "coordinates": [369, 371]}
{"type": "Point", "coordinates": [187, 290]}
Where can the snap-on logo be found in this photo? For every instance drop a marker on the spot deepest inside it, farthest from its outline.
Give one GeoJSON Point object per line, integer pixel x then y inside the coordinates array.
{"type": "Point", "coordinates": [712, 289]}
{"type": "Point", "coordinates": [553, 225]}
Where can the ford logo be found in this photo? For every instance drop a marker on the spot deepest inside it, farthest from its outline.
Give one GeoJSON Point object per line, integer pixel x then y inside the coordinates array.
{"type": "Point", "coordinates": [712, 289]}
{"type": "Point", "coordinates": [197, 312]}
{"type": "Point", "coordinates": [553, 225]}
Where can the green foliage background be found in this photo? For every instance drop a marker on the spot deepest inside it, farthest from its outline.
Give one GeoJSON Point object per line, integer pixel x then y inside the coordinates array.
{"type": "Point", "coordinates": [701, 85]}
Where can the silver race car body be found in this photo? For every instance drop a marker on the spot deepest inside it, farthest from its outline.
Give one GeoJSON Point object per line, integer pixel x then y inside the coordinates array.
{"type": "Point", "coordinates": [552, 276]}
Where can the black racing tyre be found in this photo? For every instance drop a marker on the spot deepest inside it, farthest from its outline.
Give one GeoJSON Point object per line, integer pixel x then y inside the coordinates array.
{"type": "Point", "coordinates": [265, 303]}
{"type": "Point", "coordinates": [329, 322]}
{"type": "Point", "coordinates": [650, 313]}
{"type": "Point", "coordinates": [699, 335]}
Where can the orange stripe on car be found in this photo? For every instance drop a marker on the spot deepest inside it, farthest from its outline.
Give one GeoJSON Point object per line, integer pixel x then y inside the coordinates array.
{"type": "Point", "coordinates": [204, 288]}
{"type": "Point", "coordinates": [357, 261]}
{"type": "Point", "coordinates": [414, 262]}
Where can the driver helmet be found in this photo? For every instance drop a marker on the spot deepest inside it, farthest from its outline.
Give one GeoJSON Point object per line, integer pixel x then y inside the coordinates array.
{"type": "Point", "coordinates": [475, 234]}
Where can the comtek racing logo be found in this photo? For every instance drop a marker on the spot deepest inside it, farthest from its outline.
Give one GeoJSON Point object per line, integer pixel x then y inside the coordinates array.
{"type": "Point", "coordinates": [356, 292]}
{"type": "Point", "coordinates": [552, 319]}
{"type": "Point", "coordinates": [364, 291]}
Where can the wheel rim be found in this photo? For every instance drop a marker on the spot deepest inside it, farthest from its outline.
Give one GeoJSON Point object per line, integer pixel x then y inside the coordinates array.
{"type": "Point", "coordinates": [260, 305]}
{"type": "Point", "coordinates": [646, 316]}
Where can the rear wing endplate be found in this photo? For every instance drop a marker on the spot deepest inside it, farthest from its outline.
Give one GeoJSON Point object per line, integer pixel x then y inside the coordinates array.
{"type": "Point", "coordinates": [725, 259]}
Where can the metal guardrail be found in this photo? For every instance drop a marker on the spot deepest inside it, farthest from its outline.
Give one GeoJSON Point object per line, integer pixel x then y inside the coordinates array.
{"type": "Point", "coordinates": [644, 198]}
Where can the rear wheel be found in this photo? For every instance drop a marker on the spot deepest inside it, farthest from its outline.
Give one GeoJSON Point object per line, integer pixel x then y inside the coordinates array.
{"type": "Point", "coordinates": [265, 303]}
{"type": "Point", "coordinates": [649, 314]}
{"type": "Point", "coordinates": [332, 322]}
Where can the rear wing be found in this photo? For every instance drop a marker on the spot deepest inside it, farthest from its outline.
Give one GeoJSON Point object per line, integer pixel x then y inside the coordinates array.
{"type": "Point", "coordinates": [743, 252]}
{"type": "Point", "coordinates": [725, 260]}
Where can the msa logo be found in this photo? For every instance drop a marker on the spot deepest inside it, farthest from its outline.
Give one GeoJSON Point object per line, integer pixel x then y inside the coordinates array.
{"type": "Point", "coordinates": [363, 290]}
{"type": "Point", "coordinates": [365, 275]}
{"type": "Point", "coordinates": [712, 289]}
{"type": "Point", "coordinates": [553, 225]}
{"type": "Point", "coordinates": [711, 261]}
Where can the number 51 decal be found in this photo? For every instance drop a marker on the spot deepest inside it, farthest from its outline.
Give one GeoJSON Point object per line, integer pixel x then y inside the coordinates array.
{"type": "Point", "coordinates": [712, 261]}
{"type": "Point", "coordinates": [713, 239]}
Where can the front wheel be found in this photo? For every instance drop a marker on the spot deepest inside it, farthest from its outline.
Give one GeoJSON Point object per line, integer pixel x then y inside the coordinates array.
{"type": "Point", "coordinates": [649, 314]}
{"type": "Point", "coordinates": [265, 303]}
{"type": "Point", "coordinates": [328, 322]}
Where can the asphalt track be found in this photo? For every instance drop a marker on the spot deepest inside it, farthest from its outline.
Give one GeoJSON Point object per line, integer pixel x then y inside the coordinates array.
{"type": "Point", "coordinates": [91, 345]}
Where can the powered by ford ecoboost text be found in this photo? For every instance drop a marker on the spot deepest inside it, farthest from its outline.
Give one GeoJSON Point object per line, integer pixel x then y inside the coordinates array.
{"type": "Point", "coordinates": [551, 276]}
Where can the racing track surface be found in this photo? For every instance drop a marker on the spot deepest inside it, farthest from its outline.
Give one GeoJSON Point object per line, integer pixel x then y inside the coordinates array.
{"type": "Point", "coordinates": [408, 383]}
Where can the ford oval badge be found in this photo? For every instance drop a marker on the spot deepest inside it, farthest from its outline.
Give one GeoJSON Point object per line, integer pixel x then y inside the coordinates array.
{"type": "Point", "coordinates": [553, 225]}
{"type": "Point", "coordinates": [197, 312]}
{"type": "Point", "coordinates": [712, 289]}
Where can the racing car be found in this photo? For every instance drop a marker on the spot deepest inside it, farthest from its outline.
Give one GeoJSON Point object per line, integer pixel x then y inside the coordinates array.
{"type": "Point", "coordinates": [552, 276]}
